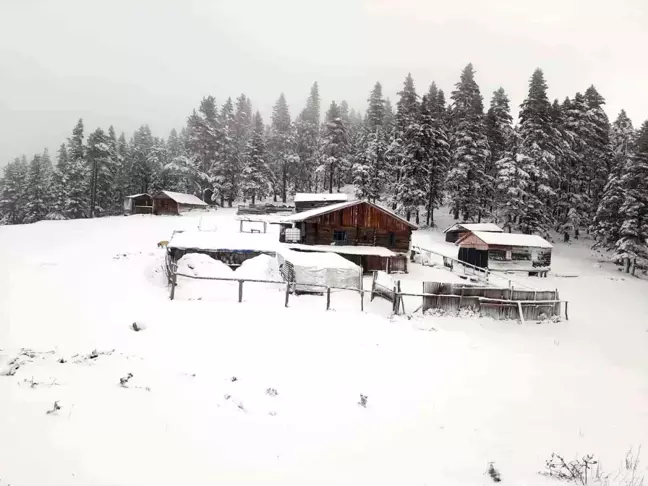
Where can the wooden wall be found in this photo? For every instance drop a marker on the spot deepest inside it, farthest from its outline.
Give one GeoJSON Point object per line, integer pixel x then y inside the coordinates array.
{"type": "Point", "coordinates": [306, 205]}
{"type": "Point", "coordinates": [364, 225]}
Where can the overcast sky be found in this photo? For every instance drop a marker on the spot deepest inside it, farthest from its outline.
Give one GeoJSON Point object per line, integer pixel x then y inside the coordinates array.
{"type": "Point", "coordinates": [131, 62]}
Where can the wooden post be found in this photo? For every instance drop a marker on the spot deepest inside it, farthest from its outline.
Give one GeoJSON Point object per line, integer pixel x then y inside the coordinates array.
{"type": "Point", "coordinates": [240, 290]}
{"type": "Point", "coordinates": [287, 293]}
{"type": "Point", "coordinates": [265, 227]}
{"type": "Point", "coordinates": [395, 302]}
{"type": "Point", "coordinates": [521, 313]}
{"type": "Point", "coordinates": [361, 293]}
{"type": "Point", "coordinates": [567, 310]}
{"type": "Point", "coordinates": [328, 298]}
{"type": "Point", "coordinates": [174, 278]}
{"type": "Point", "coordinates": [400, 297]}
{"type": "Point", "coordinates": [373, 285]}
{"type": "Point", "coordinates": [241, 227]}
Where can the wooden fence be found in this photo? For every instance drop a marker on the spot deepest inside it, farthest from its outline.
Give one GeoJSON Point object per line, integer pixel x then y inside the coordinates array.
{"type": "Point", "coordinates": [498, 303]}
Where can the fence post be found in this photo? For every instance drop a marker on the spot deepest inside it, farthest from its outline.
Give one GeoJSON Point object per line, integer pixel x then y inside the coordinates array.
{"type": "Point", "coordinates": [395, 302]}
{"type": "Point", "coordinates": [240, 290]}
{"type": "Point", "coordinates": [373, 286]}
{"type": "Point", "coordinates": [361, 294]}
{"type": "Point", "coordinates": [521, 312]}
{"type": "Point", "coordinates": [174, 278]}
{"type": "Point", "coordinates": [287, 293]}
{"type": "Point", "coordinates": [328, 298]}
{"type": "Point", "coordinates": [241, 227]}
{"type": "Point", "coordinates": [567, 310]}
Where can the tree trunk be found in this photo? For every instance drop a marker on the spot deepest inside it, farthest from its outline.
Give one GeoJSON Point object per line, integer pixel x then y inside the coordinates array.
{"type": "Point", "coordinates": [626, 260]}
{"type": "Point", "coordinates": [417, 216]}
{"type": "Point", "coordinates": [456, 213]}
{"type": "Point", "coordinates": [409, 215]}
{"type": "Point", "coordinates": [284, 182]}
{"type": "Point", "coordinates": [576, 233]}
{"type": "Point", "coordinates": [634, 266]}
{"type": "Point", "coordinates": [229, 203]}
{"type": "Point", "coordinates": [222, 201]}
{"type": "Point", "coordinates": [331, 181]}
{"type": "Point", "coordinates": [253, 198]}
{"type": "Point", "coordinates": [566, 236]}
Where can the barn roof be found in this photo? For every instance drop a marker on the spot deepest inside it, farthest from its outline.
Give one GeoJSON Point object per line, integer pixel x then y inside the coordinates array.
{"type": "Point", "coordinates": [313, 213]}
{"type": "Point", "coordinates": [317, 197]}
{"type": "Point", "coordinates": [509, 239]}
{"type": "Point", "coordinates": [137, 195]}
{"type": "Point", "coordinates": [181, 198]}
{"type": "Point", "coordinates": [489, 227]}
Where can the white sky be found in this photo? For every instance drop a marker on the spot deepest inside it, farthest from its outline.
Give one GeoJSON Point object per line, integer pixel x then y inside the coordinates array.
{"type": "Point", "coordinates": [130, 62]}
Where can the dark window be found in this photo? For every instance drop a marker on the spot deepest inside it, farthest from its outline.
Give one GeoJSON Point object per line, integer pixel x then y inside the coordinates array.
{"type": "Point", "coordinates": [340, 237]}
{"type": "Point", "coordinates": [392, 239]}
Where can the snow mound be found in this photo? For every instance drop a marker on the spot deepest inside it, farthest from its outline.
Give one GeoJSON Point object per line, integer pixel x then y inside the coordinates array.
{"type": "Point", "coordinates": [262, 267]}
{"type": "Point", "coordinates": [201, 265]}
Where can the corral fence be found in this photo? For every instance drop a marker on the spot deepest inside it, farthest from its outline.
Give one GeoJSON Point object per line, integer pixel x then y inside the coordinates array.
{"type": "Point", "coordinates": [498, 303]}
{"type": "Point", "coordinates": [264, 209]}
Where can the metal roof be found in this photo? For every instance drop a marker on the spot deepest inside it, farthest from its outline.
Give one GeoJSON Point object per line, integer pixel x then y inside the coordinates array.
{"type": "Point", "coordinates": [181, 198]}
{"type": "Point", "coordinates": [317, 197]}
{"type": "Point", "coordinates": [489, 227]}
{"type": "Point", "coordinates": [509, 239]}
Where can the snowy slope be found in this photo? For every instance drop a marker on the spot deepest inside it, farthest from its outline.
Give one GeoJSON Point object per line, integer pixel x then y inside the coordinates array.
{"type": "Point", "coordinates": [446, 396]}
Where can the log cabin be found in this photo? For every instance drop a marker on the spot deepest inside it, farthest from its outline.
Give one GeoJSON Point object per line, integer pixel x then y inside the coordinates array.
{"type": "Point", "coordinates": [369, 235]}
{"type": "Point", "coordinates": [506, 252]}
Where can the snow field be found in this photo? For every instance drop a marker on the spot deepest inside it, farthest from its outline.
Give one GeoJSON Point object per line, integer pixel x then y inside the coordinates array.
{"type": "Point", "coordinates": [446, 396]}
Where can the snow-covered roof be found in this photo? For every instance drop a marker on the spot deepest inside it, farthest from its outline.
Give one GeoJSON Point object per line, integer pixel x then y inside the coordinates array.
{"type": "Point", "coordinates": [314, 259]}
{"type": "Point", "coordinates": [317, 197]}
{"type": "Point", "coordinates": [181, 198]}
{"type": "Point", "coordinates": [510, 239]}
{"type": "Point", "coordinates": [345, 249]}
{"type": "Point", "coordinates": [490, 227]}
{"type": "Point", "coordinates": [137, 195]}
{"type": "Point", "coordinates": [312, 213]}
{"type": "Point", "coordinates": [219, 241]}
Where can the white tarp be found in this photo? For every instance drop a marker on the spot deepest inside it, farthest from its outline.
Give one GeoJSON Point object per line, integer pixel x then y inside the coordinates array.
{"type": "Point", "coordinates": [321, 269]}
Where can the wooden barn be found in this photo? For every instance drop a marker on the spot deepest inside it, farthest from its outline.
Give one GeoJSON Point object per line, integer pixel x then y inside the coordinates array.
{"type": "Point", "coordinates": [459, 230]}
{"type": "Point", "coordinates": [305, 201]}
{"type": "Point", "coordinates": [163, 202]}
{"type": "Point", "coordinates": [506, 252]}
{"type": "Point", "coordinates": [367, 234]}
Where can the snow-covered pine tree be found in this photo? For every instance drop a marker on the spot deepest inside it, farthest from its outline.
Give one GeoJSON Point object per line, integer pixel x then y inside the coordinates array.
{"type": "Point", "coordinates": [76, 202]}
{"type": "Point", "coordinates": [598, 157]}
{"type": "Point", "coordinates": [124, 170]}
{"type": "Point", "coordinates": [376, 108]}
{"type": "Point", "coordinates": [470, 151]}
{"type": "Point", "coordinates": [37, 195]}
{"type": "Point", "coordinates": [203, 145]}
{"type": "Point", "coordinates": [59, 185]}
{"type": "Point", "coordinates": [13, 191]}
{"type": "Point", "coordinates": [540, 145]}
{"type": "Point", "coordinates": [282, 145]}
{"type": "Point", "coordinates": [307, 127]}
{"type": "Point", "coordinates": [333, 146]}
{"type": "Point", "coordinates": [255, 179]}
{"type": "Point", "coordinates": [499, 131]}
{"type": "Point", "coordinates": [632, 246]}
{"type": "Point", "coordinates": [101, 161]}
{"type": "Point", "coordinates": [608, 220]}
{"type": "Point", "coordinates": [512, 183]}
{"type": "Point", "coordinates": [143, 172]}
{"type": "Point", "coordinates": [388, 124]}
{"type": "Point", "coordinates": [227, 180]}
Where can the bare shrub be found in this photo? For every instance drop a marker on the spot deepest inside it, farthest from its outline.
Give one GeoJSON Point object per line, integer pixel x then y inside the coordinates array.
{"type": "Point", "coordinates": [123, 381]}
{"type": "Point", "coordinates": [589, 471]}
{"type": "Point", "coordinates": [363, 400]}
{"type": "Point", "coordinates": [493, 473]}
{"type": "Point", "coordinates": [272, 392]}
{"type": "Point", "coordinates": [55, 408]}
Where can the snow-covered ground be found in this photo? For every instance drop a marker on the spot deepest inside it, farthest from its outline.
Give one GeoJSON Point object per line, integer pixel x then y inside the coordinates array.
{"type": "Point", "coordinates": [446, 395]}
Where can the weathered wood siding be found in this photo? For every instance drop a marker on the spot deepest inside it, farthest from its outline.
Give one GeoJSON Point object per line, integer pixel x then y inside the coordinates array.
{"type": "Point", "coordinates": [364, 225]}
{"type": "Point", "coordinates": [501, 257]}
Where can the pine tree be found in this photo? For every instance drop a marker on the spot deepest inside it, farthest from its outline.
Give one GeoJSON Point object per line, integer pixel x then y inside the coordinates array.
{"type": "Point", "coordinates": [634, 210]}
{"type": "Point", "coordinates": [281, 141]}
{"type": "Point", "coordinates": [376, 108]}
{"type": "Point", "coordinates": [255, 181]}
{"type": "Point", "coordinates": [203, 144]}
{"type": "Point", "coordinates": [13, 191]}
{"type": "Point", "coordinates": [388, 123]}
{"type": "Point", "coordinates": [499, 131]}
{"type": "Point", "coordinates": [39, 180]}
{"type": "Point", "coordinates": [77, 175]}
{"type": "Point", "coordinates": [59, 186]}
{"type": "Point", "coordinates": [307, 127]}
{"type": "Point", "coordinates": [334, 145]}
{"type": "Point", "coordinates": [539, 150]}
{"type": "Point", "coordinates": [143, 171]}
{"type": "Point", "coordinates": [470, 150]}
{"type": "Point", "coordinates": [598, 157]}
{"type": "Point", "coordinates": [608, 220]}
{"type": "Point", "coordinates": [100, 159]}
{"type": "Point", "coordinates": [512, 183]}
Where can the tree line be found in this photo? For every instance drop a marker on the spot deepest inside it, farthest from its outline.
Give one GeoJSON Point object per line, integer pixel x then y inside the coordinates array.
{"type": "Point", "coordinates": [562, 167]}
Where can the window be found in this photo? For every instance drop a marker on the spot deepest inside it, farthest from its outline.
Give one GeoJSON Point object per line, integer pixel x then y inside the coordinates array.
{"type": "Point", "coordinates": [392, 239]}
{"type": "Point", "coordinates": [340, 237]}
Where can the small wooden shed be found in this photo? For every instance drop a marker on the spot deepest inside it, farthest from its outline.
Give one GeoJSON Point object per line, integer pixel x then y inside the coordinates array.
{"type": "Point", "coordinates": [168, 202]}
{"type": "Point", "coordinates": [138, 204]}
{"type": "Point", "coordinates": [506, 252]}
{"type": "Point", "coordinates": [305, 201]}
{"type": "Point", "coordinates": [458, 230]}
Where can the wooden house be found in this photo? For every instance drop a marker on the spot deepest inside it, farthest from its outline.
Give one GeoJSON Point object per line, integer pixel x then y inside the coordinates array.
{"type": "Point", "coordinates": [459, 230]}
{"type": "Point", "coordinates": [163, 202]}
{"type": "Point", "coordinates": [369, 235]}
{"type": "Point", "coordinates": [305, 201]}
{"type": "Point", "coordinates": [506, 252]}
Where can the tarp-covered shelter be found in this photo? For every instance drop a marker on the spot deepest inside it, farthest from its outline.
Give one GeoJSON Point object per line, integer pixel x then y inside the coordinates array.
{"type": "Point", "coordinates": [506, 251]}
{"type": "Point", "coordinates": [459, 230]}
{"type": "Point", "coordinates": [313, 271]}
